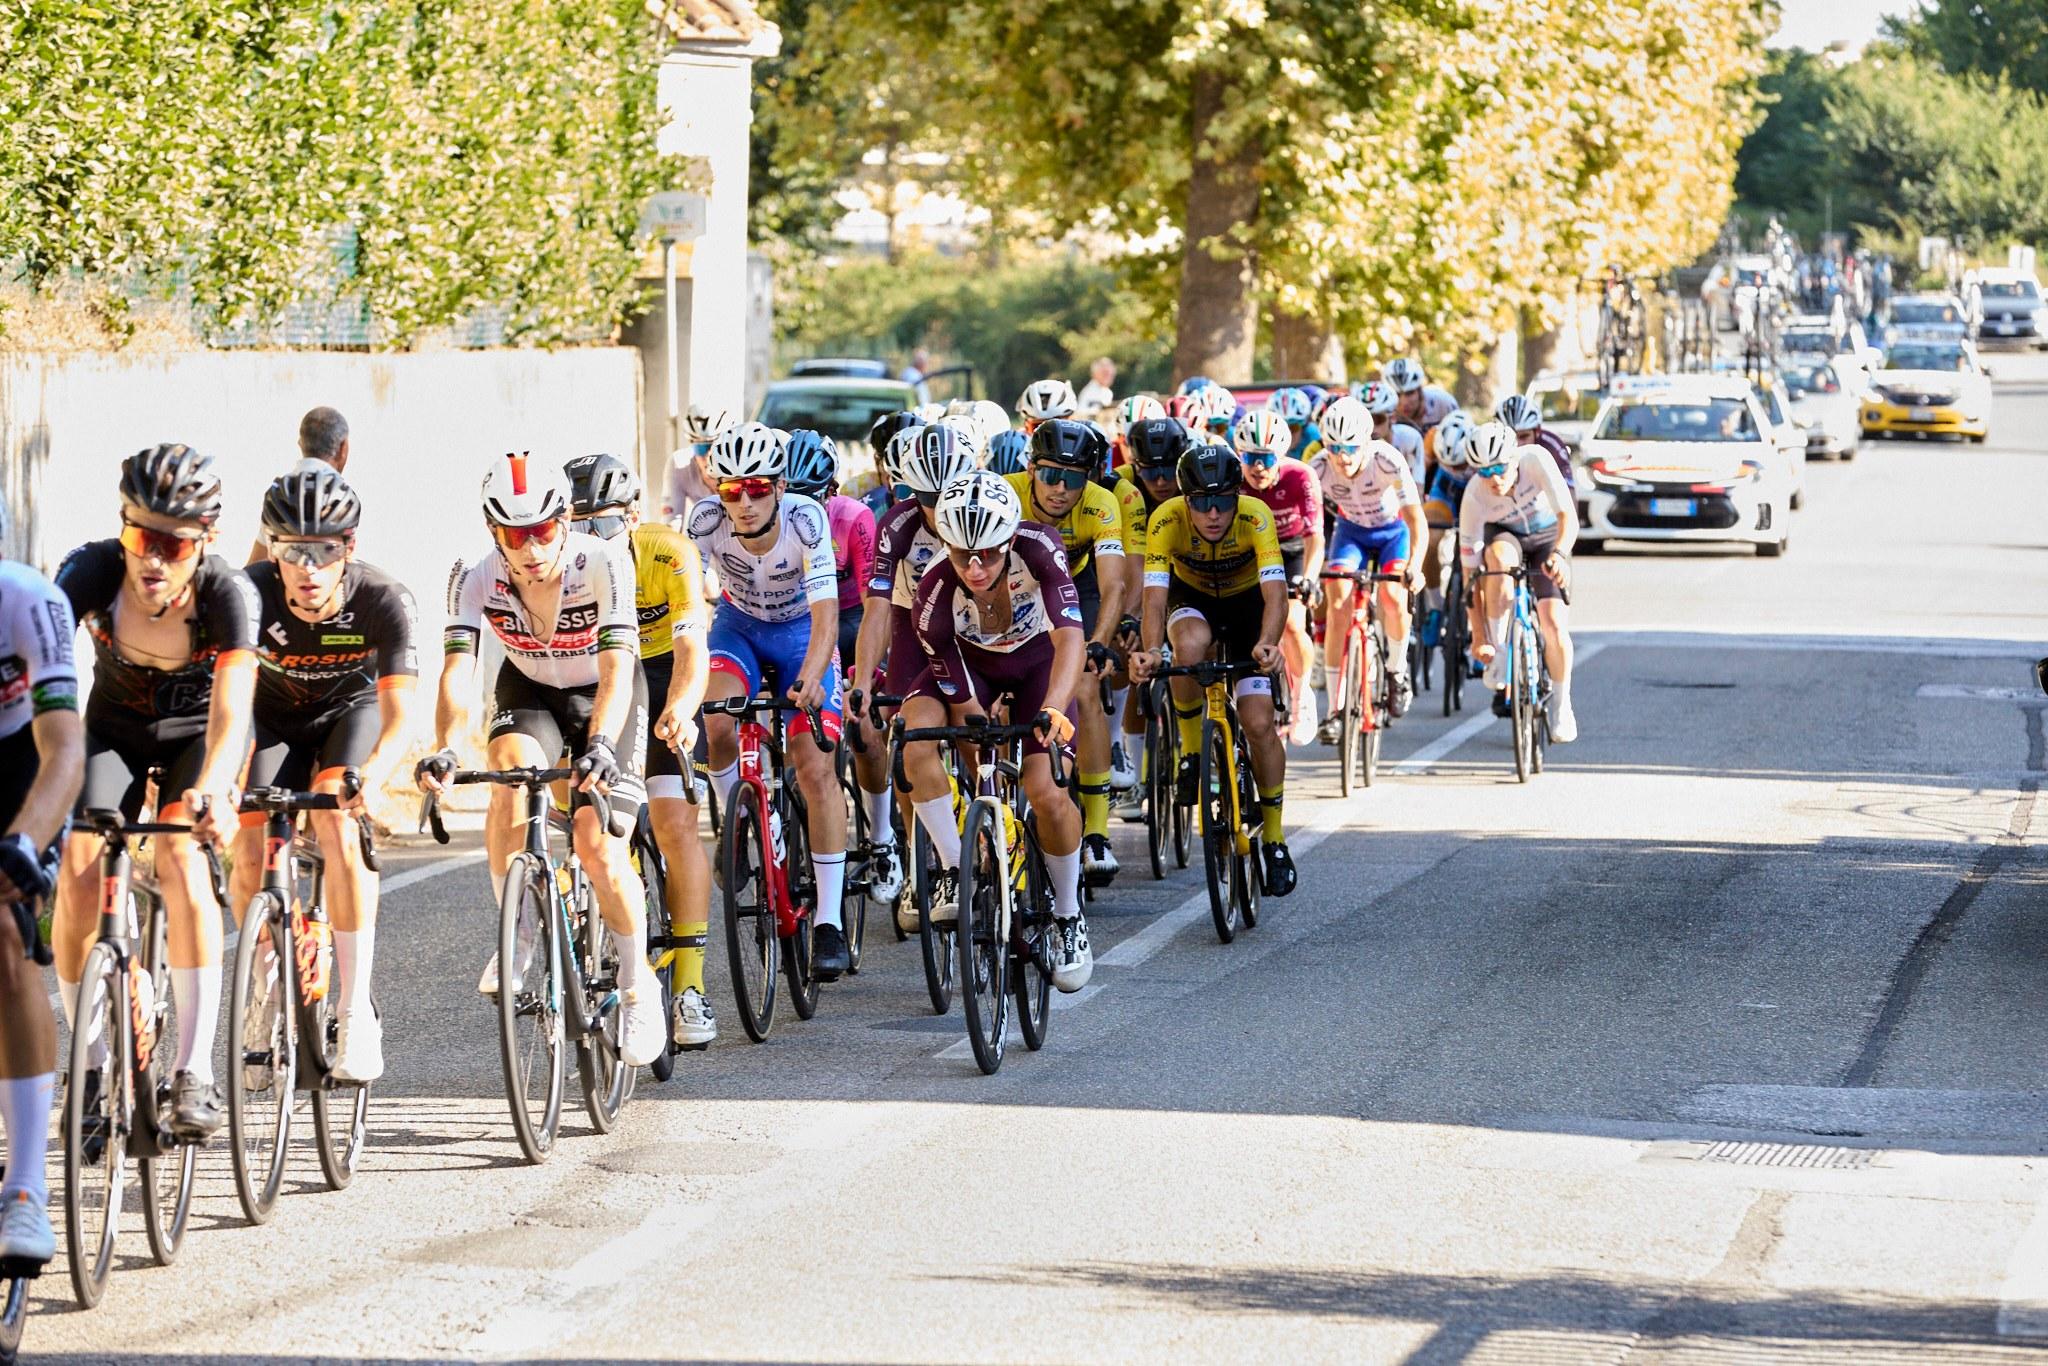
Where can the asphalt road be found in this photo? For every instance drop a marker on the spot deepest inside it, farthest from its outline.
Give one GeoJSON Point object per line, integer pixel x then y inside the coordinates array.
{"type": "Point", "coordinates": [1721, 1041]}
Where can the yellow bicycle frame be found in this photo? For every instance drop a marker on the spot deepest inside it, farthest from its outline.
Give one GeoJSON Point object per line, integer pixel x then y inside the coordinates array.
{"type": "Point", "coordinates": [1216, 709]}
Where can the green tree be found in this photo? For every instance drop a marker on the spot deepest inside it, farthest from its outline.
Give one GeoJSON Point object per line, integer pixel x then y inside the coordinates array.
{"type": "Point", "coordinates": [2006, 39]}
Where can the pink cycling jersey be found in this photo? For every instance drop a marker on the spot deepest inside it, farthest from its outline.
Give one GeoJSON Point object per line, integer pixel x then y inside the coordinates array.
{"type": "Point", "coordinates": [1295, 497]}
{"type": "Point", "coordinates": [853, 546]}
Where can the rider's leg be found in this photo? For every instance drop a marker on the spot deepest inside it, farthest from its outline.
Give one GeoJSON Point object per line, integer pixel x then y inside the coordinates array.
{"type": "Point", "coordinates": [112, 782]}
{"type": "Point", "coordinates": [722, 734]}
{"type": "Point", "coordinates": [1091, 749]}
{"type": "Point", "coordinates": [1269, 756]}
{"type": "Point", "coordinates": [350, 888]}
{"type": "Point", "coordinates": [1189, 634]}
{"type": "Point", "coordinates": [818, 778]}
{"type": "Point", "coordinates": [1059, 834]}
{"type": "Point", "coordinates": [687, 891]}
{"type": "Point", "coordinates": [1554, 620]}
{"type": "Point", "coordinates": [28, 1065]}
{"type": "Point", "coordinates": [1393, 600]}
{"type": "Point", "coordinates": [1336, 640]}
{"type": "Point", "coordinates": [246, 874]}
{"type": "Point", "coordinates": [931, 792]}
{"type": "Point", "coordinates": [1496, 594]}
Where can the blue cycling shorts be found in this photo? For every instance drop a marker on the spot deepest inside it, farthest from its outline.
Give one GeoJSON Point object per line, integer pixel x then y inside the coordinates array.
{"type": "Point", "coordinates": [771, 653]}
{"type": "Point", "coordinates": [1356, 549]}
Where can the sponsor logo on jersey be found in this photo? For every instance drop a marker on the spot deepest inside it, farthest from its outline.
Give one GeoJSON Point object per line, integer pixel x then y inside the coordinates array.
{"type": "Point", "coordinates": [356, 639]}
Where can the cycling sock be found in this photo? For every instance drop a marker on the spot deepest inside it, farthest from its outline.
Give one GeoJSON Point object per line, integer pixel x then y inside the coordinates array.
{"type": "Point", "coordinates": [881, 828]}
{"type": "Point", "coordinates": [353, 952]}
{"type": "Point", "coordinates": [1066, 882]}
{"type": "Point", "coordinates": [1497, 632]}
{"type": "Point", "coordinates": [688, 968]}
{"type": "Point", "coordinates": [196, 993]}
{"type": "Point", "coordinates": [722, 780]}
{"type": "Point", "coordinates": [1333, 678]}
{"type": "Point", "coordinates": [1116, 709]}
{"type": "Point", "coordinates": [830, 871]}
{"type": "Point", "coordinates": [1273, 829]}
{"type": "Point", "coordinates": [1095, 803]}
{"type": "Point", "coordinates": [25, 1109]}
{"type": "Point", "coordinates": [1189, 724]}
{"type": "Point", "coordinates": [632, 947]}
{"type": "Point", "coordinates": [937, 818]}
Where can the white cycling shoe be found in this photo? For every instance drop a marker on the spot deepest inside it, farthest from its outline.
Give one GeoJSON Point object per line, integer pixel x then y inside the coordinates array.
{"type": "Point", "coordinates": [1073, 962]}
{"type": "Point", "coordinates": [25, 1234]}
{"type": "Point", "coordinates": [643, 1034]}
{"type": "Point", "coordinates": [886, 885]}
{"type": "Point", "coordinates": [359, 1049]}
{"type": "Point", "coordinates": [1130, 807]}
{"type": "Point", "coordinates": [1564, 726]}
{"type": "Point", "coordinates": [487, 985]}
{"type": "Point", "coordinates": [694, 1026]}
{"type": "Point", "coordinates": [1123, 769]}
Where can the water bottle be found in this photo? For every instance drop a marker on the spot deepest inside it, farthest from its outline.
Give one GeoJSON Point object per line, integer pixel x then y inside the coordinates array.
{"type": "Point", "coordinates": [142, 1011]}
{"type": "Point", "coordinates": [314, 940]}
{"type": "Point", "coordinates": [775, 836]}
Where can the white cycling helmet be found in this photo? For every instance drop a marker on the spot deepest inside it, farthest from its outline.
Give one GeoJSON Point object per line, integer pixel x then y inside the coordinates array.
{"type": "Point", "coordinates": [1214, 404]}
{"type": "Point", "coordinates": [1291, 404]}
{"type": "Point", "coordinates": [935, 457]}
{"type": "Point", "coordinates": [1047, 398]}
{"type": "Point", "coordinates": [1346, 423]}
{"type": "Point", "coordinates": [1261, 430]}
{"type": "Point", "coordinates": [1137, 408]}
{"type": "Point", "coordinates": [1519, 412]}
{"type": "Point", "coordinates": [896, 452]}
{"type": "Point", "coordinates": [930, 412]}
{"type": "Point", "coordinates": [972, 438]}
{"type": "Point", "coordinates": [978, 512]}
{"type": "Point", "coordinates": [992, 417]}
{"type": "Point", "coordinates": [1404, 373]}
{"type": "Point", "coordinates": [1451, 435]}
{"type": "Point", "coordinates": [523, 489]}
{"type": "Point", "coordinates": [1492, 443]}
{"type": "Point", "coordinates": [707, 422]}
{"type": "Point", "coordinates": [1379, 397]}
{"type": "Point", "coordinates": [749, 451]}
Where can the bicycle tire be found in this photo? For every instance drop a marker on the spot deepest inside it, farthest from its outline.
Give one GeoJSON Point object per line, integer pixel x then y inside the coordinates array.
{"type": "Point", "coordinates": [1219, 830]}
{"type": "Point", "coordinates": [1378, 696]}
{"type": "Point", "coordinates": [260, 1116]}
{"type": "Point", "coordinates": [1540, 736]}
{"type": "Point", "coordinates": [597, 1017]}
{"type": "Point", "coordinates": [341, 1129]}
{"type": "Point", "coordinates": [1521, 713]}
{"type": "Point", "coordinates": [853, 903]}
{"type": "Point", "coordinates": [934, 943]}
{"type": "Point", "coordinates": [1031, 955]}
{"type": "Point", "coordinates": [799, 963]}
{"type": "Point", "coordinates": [984, 949]}
{"type": "Point", "coordinates": [166, 1179]}
{"type": "Point", "coordinates": [1159, 766]}
{"type": "Point", "coordinates": [653, 872]}
{"type": "Point", "coordinates": [1251, 865]}
{"type": "Point", "coordinates": [537, 1001]}
{"type": "Point", "coordinates": [1350, 716]}
{"type": "Point", "coordinates": [95, 1182]}
{"type": "Point", "coordinates": [1456, 644]}
{"type": "Point", "coordinates": [752, 951]}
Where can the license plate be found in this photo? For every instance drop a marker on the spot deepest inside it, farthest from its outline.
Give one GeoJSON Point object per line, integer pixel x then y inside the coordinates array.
{"type": "Point", "coordinates": [1674, 507]}
{"type": "Point", "coordinates": [1920, 415]}
{"type": "Point", "coordinates": [2003, 329]}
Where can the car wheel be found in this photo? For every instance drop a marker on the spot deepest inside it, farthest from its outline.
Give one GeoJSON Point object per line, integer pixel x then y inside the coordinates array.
{"type": "Point", "coordinates": [1771, 550]}
{"type": "Point", "coordinates": [1978, 439]}
{"type": "Point", "coordinates": [1582, 546]}
{"type": "Point", "coordinates": [1797, 500]}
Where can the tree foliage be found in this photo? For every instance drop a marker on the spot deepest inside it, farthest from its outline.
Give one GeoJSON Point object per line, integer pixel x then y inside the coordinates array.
{"type": "Point", "coordinates": [2003, 39]}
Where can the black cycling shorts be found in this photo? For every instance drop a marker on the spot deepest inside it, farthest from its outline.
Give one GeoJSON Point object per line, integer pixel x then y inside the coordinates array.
{"type": "Point", "coordinates": [1090, 594]}
{"type": "Point", "coordinates": [558, 719]}
{"type": "Point", "coordinates": [1294, 558]}
{"type": "Point", "coordinates": [1535, 554]}
{"type": "Point", "coordinates": [663, 769]}
{"type": "Point", "coordinates": [295, 754]}
{"type": "Point", "coordinates": [849, 632]}
{"type": "Point", "coordinates": [1234, 619]}
{"type": "Point", "coordinates": [19, 760]}
{"type": "Point", "coordinates": [118, 761]}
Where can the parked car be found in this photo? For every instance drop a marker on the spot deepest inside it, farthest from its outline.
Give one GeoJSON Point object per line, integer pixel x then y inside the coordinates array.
{"type": "Point", "coordinates": [1736, 288]}
{"type": "Point", "coordinates": [1930, 387]}
{"type": "Point", "coordinates": [1569, 402]}
{"type": "Point", "coordinates": [1922, 316]}
{"type": "Point", "coordinates": [841, 408]}
{"type": "Point", "coordinates": [2008, 306]}
{"type": "Point", "coordinates": [1828, 405]}
{"type": "Point", "coordinates": [1686, 458]}
{"type": "Point", "coordinates": [840, 367]}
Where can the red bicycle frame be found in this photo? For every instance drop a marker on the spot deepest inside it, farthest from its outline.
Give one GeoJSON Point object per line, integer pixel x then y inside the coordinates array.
{"type": "Point", "coordinates": [753, 740]}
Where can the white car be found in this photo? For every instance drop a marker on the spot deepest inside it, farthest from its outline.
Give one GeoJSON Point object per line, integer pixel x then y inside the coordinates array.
{"type": "Point", "coordinates": [2008, 306]}
{"type": "Point", "coordinates": [1686, 458]}
{"type": "Point", "coordinates": [1569, 402]}
{"type": "Point", "coordinates": [1827, 401]}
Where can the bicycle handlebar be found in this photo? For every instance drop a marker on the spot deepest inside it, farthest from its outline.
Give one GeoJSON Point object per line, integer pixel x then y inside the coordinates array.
{"type": "Point", "coordinates": [1207, 671]}
{"type": "Point", "coordinates": [976, 730]}
{"type": "Point", "coordinates": [1361, 576]}
{"type": "Point", "coordinates": [531, 779]}
{"type": "Point", "coordinates": [741, 708]}
{"type": "Point", "coordinates": [112, 825]}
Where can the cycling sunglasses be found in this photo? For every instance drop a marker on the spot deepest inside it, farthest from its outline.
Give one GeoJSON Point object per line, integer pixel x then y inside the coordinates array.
{"type": "Point", "coordinates": [978, 558]}
{"type": "Point", "coordinates": [1341, 447]}
{"type": "Point", "coordinates": [308, 554]}
{"type": "Point", "coordinates": [1491, 471]}
{"type": "Point", "coordinates": [147, 543]}
{"type": "Point", "coordinates": [1060, 476]}
{"type": "Point", "coordinates": [604, 526]}
{"type": "Point", "coordinates": [519, 537]}
{"type": "Point", "coordinates": [1265, 460]}
{"type": "Point", "coordinates": [734, 490]}
{"type": "Point", "coordinates": [1213, 502]}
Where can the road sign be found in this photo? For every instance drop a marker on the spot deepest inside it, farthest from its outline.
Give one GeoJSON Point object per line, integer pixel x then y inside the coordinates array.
{"type": "Point", "coordinates": [675, 215]}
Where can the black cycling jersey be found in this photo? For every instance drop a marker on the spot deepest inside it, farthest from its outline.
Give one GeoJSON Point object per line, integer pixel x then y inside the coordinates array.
{"type": "Point", "coordinates": [311, 667]}
{"type": "Point", "coordinates": [124, 692]}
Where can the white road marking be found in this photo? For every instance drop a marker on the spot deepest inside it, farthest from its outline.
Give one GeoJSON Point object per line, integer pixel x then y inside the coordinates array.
{"type": "Point", "coordinates": [1457, 735]}
{"type": "Point", "coordinates": [1653, 638]}
{"type": "Point", "coordinates": [425, 871]}
{"type": "Point", "coordinates": [2023, 1298]}
{"type": "Point", "coordinates": [1975, 693]}
{"type": "Point", "coordinates": [1154, 937]}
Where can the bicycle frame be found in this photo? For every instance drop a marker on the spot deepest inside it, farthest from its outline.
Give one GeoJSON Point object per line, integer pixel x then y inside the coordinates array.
{"type": "Point", "coordinates": [764, 767]}
{"type": "Point", "coordinates": [1219, 707]}
{"type": "Point", "coordinates": [1365, 612]}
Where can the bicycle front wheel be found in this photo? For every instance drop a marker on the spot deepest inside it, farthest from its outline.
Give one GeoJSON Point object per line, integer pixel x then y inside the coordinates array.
{"type": "Point", "coordinates": [1249, 867]}
{"type": "Point", "coordinates": [854, 899]}
{"type": "Point", "coordinates": [531, 1037]}
{"type": "Point", "coordinates": [1350, 714]}
{"type": "Point", "coordinates": [96, 1123]}
{"type": "Point", "coordinates": [263, 1038]}
{"type": "Point", "coordinates": [752, 950]}
{"type": "Point", "coordinates": [1159, 766]}
{"type": "Point", "coordinates": [1377, 695]}
{"type": "Point", "coordinates": [591, 971]}
{"type": "Point", "coordinates": [1219, 830]}
{"type": "Point", "coordinates": [341, 1127]}
{"type": "Point", "coordinates": [1031, 934]}
{"type": "Point", "coordinates": [935, 942]}
{"type": "Point", "coordinates": [647, 862]}
{"type": "Point", "coordinates": [13, 1317]}
{"type": "Point", "coordinates": [166, 1179]}
{"type": "Point", "coordinates": [984, 947]}
{"type": "Point", "coordinates": [798, 952]}
{"type": "Point", "coordinates": [1522, 713]}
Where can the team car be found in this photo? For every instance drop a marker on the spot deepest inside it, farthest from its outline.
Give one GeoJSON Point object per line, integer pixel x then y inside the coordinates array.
{"type": "Point", "coordinates": [1931, 387]}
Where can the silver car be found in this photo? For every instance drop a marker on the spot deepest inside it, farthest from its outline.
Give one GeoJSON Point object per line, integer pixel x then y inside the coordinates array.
{"type": "Point", "coordinates": [1825, 402]}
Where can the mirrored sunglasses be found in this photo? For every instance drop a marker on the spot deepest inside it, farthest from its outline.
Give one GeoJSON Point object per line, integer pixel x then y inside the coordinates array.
{"type": "Point", "coordinates": [518, 537]}
{"type": "Point", "coordinates": [150, 544]}
{"type": "Point", "coordinates": [308, 554]}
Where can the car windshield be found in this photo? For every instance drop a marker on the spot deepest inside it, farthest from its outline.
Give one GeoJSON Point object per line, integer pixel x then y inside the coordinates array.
{"type": "Point", "coordinates": [2011, 289]}
{"type": "Point", "coordinates": [1568, 405]}
{"type": "Point", "coordinates": [1671, 419]}
{"type": "Point", "coordinates": [1818, 379]}
{"type": "Point", "coordinates": [1914, 313]}
{"type": "Point", "coordinates": [1749, 277]}
{"type": "Point", "coordinates": [842, 414]}
{"type": "Point", "coordinates": [1921, 356]}
{"type": "Point", "coordinates": [1821, 342]}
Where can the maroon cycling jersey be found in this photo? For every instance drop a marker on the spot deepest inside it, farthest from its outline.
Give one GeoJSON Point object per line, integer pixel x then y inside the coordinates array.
{"type": "Point", "coordinates": [1035, 597]}
{"type": "Point", "coordinates": [1295, 497]}
{"type": "Point", "coordinates": [904, 549]}
{"type": "Point", "coordinates": [1561, 453]}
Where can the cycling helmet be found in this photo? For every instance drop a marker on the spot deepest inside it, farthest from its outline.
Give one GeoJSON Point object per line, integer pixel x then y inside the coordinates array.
{"type": "Point", "coordinates": [1195, 384]}
{"type": "Point", "coordinates": [1379, 397]}
{"type": "Point", "coordinates": [749, 451]}
{"type": "Point", "coordinates": [979, 511]}
{"type": "Point", "coordinates": [1290, 405]}
{"type": "Point", "coordinates": [933, 457]}
{"type": "Point", "coordinates": [314, 501]}
{"type": "Point", "coordinates": [885, 428]}
{"type": "Point", "coordinates": [900, 446]}
{"type": "Point", "coordinates": [1210, 468]}
{"type": "Point", "coordinates": [1492, 443]}
{"type": "Point", "coordinates": [1322, 405]}
{"type": "Point", "coordinates": [600, 481]}
{"type": "Point", "coordinates": [522, 489]}
{"type": "Point", "coordinates": [990, 416]}
{"type": "Point", "coordinates": [1451, 435]}
{"type": "Point", "coordinates": [931, 412]}
{"type": "Point", "coordinates": [1181, 408]}
{"type": "Point", "coordinates": [971, 436]}
{"type": "Point", "coordinates": [1006, 451]}
{"type": "Point", "coordinates": [1047, 398]}
{"type": "Point", "coordinates": [1519, 413]}
{"type": "Point", "coordinates": [1215, 404]}
{"type": "Point", "coordinates": [1346, 423]}
{"type": "Point", "coordinates": [1136, 409]}
{"type": "Point", "coordinates": [1157, 443]}
{"type": "Point", "coordinates": [1262, 430]}
{"type": "Point", "coordinates": [1404, 373]}
{"type": "Point", "coordinates": [1316, 394]}
{"type": "Point", "coordinates": [811, 464]}
{"type": "Point", "coordinates": [706, 422]}
{"type": "Point", "coordinates": [172, 480]}
{"type": "Point", "coordinates": [1063, 441]}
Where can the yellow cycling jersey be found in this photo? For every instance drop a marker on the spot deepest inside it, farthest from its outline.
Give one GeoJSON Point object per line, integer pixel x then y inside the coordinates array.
{"type": "Point", "coordinates": [668, 587]}
{"type": "Point", "coordinates": [1130, 501]}
{"type": "Point", "coordinates": [1094, 525]}
{"type": "Point", "coordinates": [1247, 555]}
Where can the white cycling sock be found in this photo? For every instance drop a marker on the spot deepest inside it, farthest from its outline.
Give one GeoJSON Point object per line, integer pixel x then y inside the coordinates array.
{"type": "Point", "coordinates": [1066, 882]}
{"type": "Point", "coordinates": [1116, 710]}
{"type": "Point", "coordinates": [25, 1109]}
{"type": "Point", "coordinates": [632, 949]}
{"type": "Point", "coordinates": [722, 780]}
{"type": "Point", "coordinates": [936, 816]}
{"type": "Point", "coordinates": [830, 871]}
{"type": "Point", "coordinates": [1333, 677]}
{"type": "Point", "coordinates": [881, 829]}
{"type": "Point", "coordinates": [353, 952]}
{"type": "Point", "coordinates": [196, 993]}
{"type": "Point", "coordinates": [1497, 632]}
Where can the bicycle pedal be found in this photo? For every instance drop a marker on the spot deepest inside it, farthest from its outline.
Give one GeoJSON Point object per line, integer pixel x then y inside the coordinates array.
{"type": "Point", "coordinates": [20, 1268]}
{"type": "Point", "coordinates": [688, 1047]}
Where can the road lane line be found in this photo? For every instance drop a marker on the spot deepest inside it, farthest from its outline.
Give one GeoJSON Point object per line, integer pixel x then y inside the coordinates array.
{"type": "Point", "coordinates": [1652, 638]}
{"type": "Point", "coordinates": [1150, 940]}
{"type": "Point", "coordinates": [1471, 726]}
{"type": "Point", "coordinates": [425, 871]}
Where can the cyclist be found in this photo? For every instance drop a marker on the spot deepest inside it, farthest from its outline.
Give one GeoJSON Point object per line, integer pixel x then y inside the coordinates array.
{"type": "Point", "coordinates": [881, 434]}
{"type": "Point", "coordinates": [1293, 494]}
{"type": "Point", "coordinates": [1380, 402]}
{"type": "Point", "coordinates": [998, 615]}
{"type": "Point", "coordinates": [1151, 478]}
{"type": "Point", "coordinates": [1518, 511]}
{"type": "Point", "coordinates": [971, 436]}
{"type": "Point", "coordinates": [668, 599]}
{"type": "Point", "coordinates": [1216, 410]}
{"type": "Point", "coordinates": [173, 628]}
{"type": "Point", "coordinates": [339, 661]}
{"type": "Point", "coordinates": [779, 620]}
{"type": "Point", "coordinates": [42, 764]}
{"type": "Point", "coordinates": [1525, 419]}
{"type": "Point", "coordinates": [1059, 491]}
{"type": "Point", "coordinates": [1213, 574]}
{"type": "Point", "coordinates": [1440, 507]}
{"type": "Point", "coordinates": [1423, 404]}
{"type": "Point", "coordinates": [1123, 769]}
{"type": "Point", "coordinates": [1046, 399]}
{"type": "Point", "coordinates": [906, 545]}
{"type": "Point", "coordinates": [560, 602]}
{"type": "Point", "coordinates": [814, 472]}
{"type": "Point", "coordinates": [986, 416]}
{"type": "Point", "coordinates": [687, 484]}
{"type": "Point", "coordinates": [1293, 406]}
{"type": "Point", "coordinates": [1133, 410]}
{"type": "Point", "coordinates": [1379, 527]}
{"type": "Point", "coordinates": [1008, 451]}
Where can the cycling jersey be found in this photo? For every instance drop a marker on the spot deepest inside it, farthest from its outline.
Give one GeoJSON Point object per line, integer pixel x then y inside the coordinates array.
{"type": "Point", "coordinates": [1437, 404]}
{"type": "Point", "coordinates": [781, 583]}
{"type": "Point", "coordinates": [1094, 525]}
{"type": "Point", "coordinates": [595, 613]}
{"type": "Point", "coordinates": [667, 588]}
{"type": "Point", "coordinates": [685, 486]}
{"type": "Point", "coordinates": [1133, 513]}
{"type": "Point", "coordinates": [1038, 591]}
{"type": "Point", "coordinates": [37, 670]}
{"type": "Point", "coordinates": [1376, 493]}
{"type": "Point", "coordinates": [1445, 493]}
{"type": "Point", "coordinates": [1294, 497]}
{"type": "Point", "coordinates": [1408, 442]}
{"type": "Point", "coordinates": [1247, 554]}
{"type": "Point", "coordinates": [853, 547]}
{"type": "Point", "coordinates": [308, 668]}
{"type": "Point", "coordinates": [1559, 452]}
{"type": "Point", "coordinates": [1534, 504]}
{"type": "Point", "coordinates": [904, 549]}
{"type": "Point", "coordinates": [124, 693]}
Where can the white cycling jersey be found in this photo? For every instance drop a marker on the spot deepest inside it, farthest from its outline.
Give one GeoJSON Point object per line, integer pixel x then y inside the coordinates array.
{"type": "Point", "coordinates": [596, 612]}
{"type": "Point", "coordinates": [1532, 505]}
{"type": "Point", "coordinates": [781, 584]}
{"type": "Point", "coordinates": [38, 671]}
{"type": "Point", "coordinates": [1374, 496]}
{"type": "Point", "coordinates": [1437, 404]}
{"type": "Point", "coordinates": [1408, 441]}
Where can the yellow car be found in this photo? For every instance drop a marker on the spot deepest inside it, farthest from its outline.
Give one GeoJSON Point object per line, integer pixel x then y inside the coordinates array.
{"type": "Point", "coordinates": [1930, 388]}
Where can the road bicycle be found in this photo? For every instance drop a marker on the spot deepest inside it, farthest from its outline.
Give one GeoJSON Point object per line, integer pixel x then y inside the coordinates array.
{"type": "Point", "coordinates": [557, 969]}
{"type": "Point", "coordinates": [862, 853]}
{"type": "Point", "coordinates": [1624, 329]}
{"type": "Point", "coordinates": [1528, 676]}
{"type": "Point", "coordinates": [15, 1274]}
{"type": "Point", "coordinates": [117, 1093]}
{"type": "Point", "coordinates": [1227, 796]}
{"type": "Point", "coordinates": [764, 862]}
{"type": "Point", "coordinates": [1006, 930]}
{"type": "Point", "coordinates": [284, 969]}
{"type": "Point", "coordinates": [1367, 705]}
{"type": "Point", "coordinates": [1168, 824]}
{"type": "Point", "coordinates": [663, 943]}
{"type": "Point", "coordinates": [1455, 639]}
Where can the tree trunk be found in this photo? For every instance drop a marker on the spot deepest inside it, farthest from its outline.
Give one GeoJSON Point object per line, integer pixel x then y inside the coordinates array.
{"type": "Point", "coordinates": [1304, 348]}
{"type": "Point", "coordinates": [1218, 322]}
{"type": "Point", "coordinates": [1539, 344]}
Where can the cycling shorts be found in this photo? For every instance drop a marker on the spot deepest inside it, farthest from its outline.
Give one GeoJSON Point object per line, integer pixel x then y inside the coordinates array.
{"type": "Point", "coordinates": [771, 654]}
{"type": "Point", "coordinates": [1022, 673]}
{"type": "Point", "coordinates": [297, 755]}
{"type": "Point", "coordinates": [906, 658]}
{"type": "Point", "coordinates": [1440, 512]}
{"type": "Point", "coordinates": [664, 771]}
{"type": "Point", "coordinates": [1234, 620]}
{"type": "Point", "coordinates": [1536, 550]}
{"type": "Point", "coordinates": [1090, 594]}
{"type": "Point", "coordinates": [1356, 549]}
{"type": "Point", "coordinates": [117, 765]}
{"type": "Point", "coordinates": [849, 632]}
{"type": "Point", "coordinates": [1294, 559]}
{"type": "Point", "coordinates": [19, 760]}
{"type": "Point", "coordinates": [558, 720]}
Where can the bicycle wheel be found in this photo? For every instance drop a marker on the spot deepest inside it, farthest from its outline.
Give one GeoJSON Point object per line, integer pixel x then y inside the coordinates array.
{"type": "Point", "coordinates": [1378, 695]}
{"type": "Point", "coordinates": [984, 948]}
{"type": "Point", "coordinates": [341, 1129]}
{"type": "Point", "coordinates": [1160, 761]}
{"type": "Point", "coordinates": [935, 942]}
{"type": "Point", "coordinates": [166, 1179]}
{"type": "Point", "coordinates": [647, 862]}
{"type": "Point", "coordinates": [1350, 714]}
{"type": "Point", "coordinates": [1455, 643]}
{"type": "Point", "coordinates": [1219, 830]}
{"type": "Point", "coordinates": [1522, 713]}
{"type": "Point", "coordinates": [96, 1123]}
{"type": "Point", "coordinates": [531, 1034]}
{"type": "Point", "coordinates": [854, 900]}
{"type": "Point", "coordinates": [1540, 672]}
{"type": "Point", "coordinates": [590, 973]}
{"type": "Point", "coordinates": [750, 940]}
{"type": "Point", "coordinates": [1250, 867]}
{"type": "Point", "coordinates": [261, 1088]}
{"type": "Point", "coordinates": [798, 952]}
{"type": "Point", "coordinates": [1031, 944]}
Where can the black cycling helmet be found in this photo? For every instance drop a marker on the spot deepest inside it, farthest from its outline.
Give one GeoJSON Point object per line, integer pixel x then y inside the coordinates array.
{"type": "Point", "coordinates": [1075, 445]}
{"type": "Point", "coordinates": [811, 463]}
{"type": "Point", "coordinates": [600, 481]}
{"type": "Point", "coordinates": [1209, 468]}
{"type": "Point", "coordinates": [311, 502]}
{"type": "Point", "coordinates": [887, 426]}
{"type": "Point", "coordinates": [1156, 443]}
{"type": "Point", "coordinates": [172, 480]}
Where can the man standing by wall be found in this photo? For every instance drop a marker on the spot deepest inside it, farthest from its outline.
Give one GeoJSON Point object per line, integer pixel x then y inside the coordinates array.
{"type": "Point", "coordinates": [323, 440]}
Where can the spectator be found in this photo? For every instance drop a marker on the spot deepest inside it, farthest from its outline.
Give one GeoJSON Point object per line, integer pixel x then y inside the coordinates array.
{"type": "Point", "coordinates": [1099, 393]}
{"type": "Point", "coordinates": [914, 373]}
{"type": "Point", "coordinates": [323, 440]}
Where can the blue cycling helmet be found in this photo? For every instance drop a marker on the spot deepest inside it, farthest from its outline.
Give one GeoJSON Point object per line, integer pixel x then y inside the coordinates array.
{"type": "Point", "coordinates": [812, 463]}
{"type": "Point", "coordinates": [1193, 383]}
{"type": "Point", "coordinates": [1315, 394]}
{"type": "Point", "coordinates": [1006, 451]}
